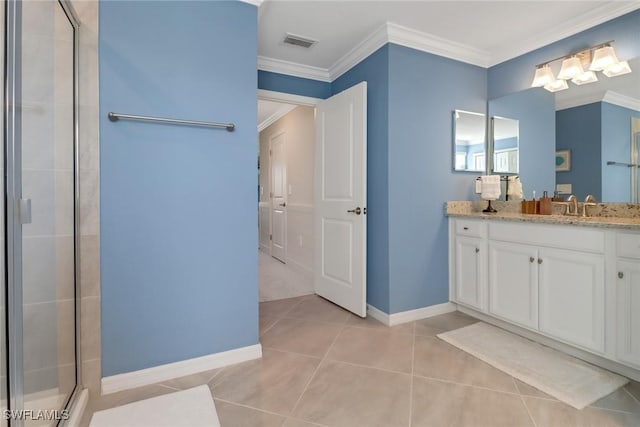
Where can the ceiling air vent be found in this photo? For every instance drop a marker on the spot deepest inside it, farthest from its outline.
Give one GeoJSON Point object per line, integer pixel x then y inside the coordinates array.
{"type": "Point", "coordinates": [299, 41]}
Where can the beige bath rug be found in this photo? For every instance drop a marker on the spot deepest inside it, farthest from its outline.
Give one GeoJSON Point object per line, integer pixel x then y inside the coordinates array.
{"type": "Point", "coordinates": [566, 378]}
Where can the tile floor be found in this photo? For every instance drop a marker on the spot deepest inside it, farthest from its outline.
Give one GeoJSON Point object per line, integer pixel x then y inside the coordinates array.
{"type": "Point", "coordinates": [323, 366]}
{"type": "Point", "coordinates": [278, 280]}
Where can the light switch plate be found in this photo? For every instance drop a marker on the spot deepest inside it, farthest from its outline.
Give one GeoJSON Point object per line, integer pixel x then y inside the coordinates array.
{"type": "Point", "coordinates": [478, 186]}
{"type": "Point", "coordinates": [290, 189]}
{"type": "Point", "coordinates": [564, 188]}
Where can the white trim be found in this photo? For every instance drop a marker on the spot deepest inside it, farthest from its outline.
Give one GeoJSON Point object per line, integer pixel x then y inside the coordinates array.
{"type": "Point", "coordinates": [596, 16]}
{"type": "Point", "coordinates": [256, 3]}
{"type": "Point", "coordinates": [281, 112]}
{"type": "Point", "coordinates": [77, 411]}
{"type": "Point", "coordinates": [575, 101]}
{"type": "Point", "coordinates": [169, 371]}
{"type": "Point", "coordinates": [425, 42]}
{"type": "Point", "coordinates": [616, 98]}
{"type": "Point", "coordinates": [300, 268]}
{"type": "Point", "coordinates": [293, 69]}
{"type": "Point", "coordinates": [362, 50]}
{"type": "Point", "coordinates": [421, 313]}
{"type": "Point", "coordinates": [410, 315]}
{"type": "Point", "coordinates": [610, 97]}
{"type": "Point", "coordinates": [270, 95]}
{"type": "Point", "coordinates": [378, 314]}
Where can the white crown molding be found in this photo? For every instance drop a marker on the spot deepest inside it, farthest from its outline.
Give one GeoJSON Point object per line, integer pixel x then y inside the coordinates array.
{"type": "Point", "coordinates": [293, 69]}
{"type": "Point", "coordinates": [425, 42]}
{"type": "Point", "coordinates": [281, 112]}
{"type": "Point", "coordinates": [362, 50]}
{"type": "Point", "coordinates": [621, 100]}
{"type": "Point", "coordinates": [403, 36]}
{"type": "Point", "coordinates": [562, 103]}
{"type": "Point", "coordinates": [256, 3]}
{"type": "Point", "coordinates": [596, 16]}
{"type": "Point", "coordinates": [156, 374]}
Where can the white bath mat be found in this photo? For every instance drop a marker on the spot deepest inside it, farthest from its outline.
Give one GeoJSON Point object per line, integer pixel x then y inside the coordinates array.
{"type": "Point", "coordinates": [566, 378]}
{"type": "Point", "coordinates": [188, 408]}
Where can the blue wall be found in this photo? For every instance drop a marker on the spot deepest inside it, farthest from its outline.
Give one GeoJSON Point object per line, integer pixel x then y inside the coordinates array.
{"type": "Point", "coordinates": [295, 85]}
{"type": "Point", "coordinates": [176, 263]}
{"type": "Point", "coordinates": [579, 129]}
{"type": "Point", "coordinates": [535, 111]}
{"type": "Point", "coordinates": [424, 89]}
{"type": "Point", "coordinates": [375, 71]}
{"type": "Point", "coordinates": [616, 146]}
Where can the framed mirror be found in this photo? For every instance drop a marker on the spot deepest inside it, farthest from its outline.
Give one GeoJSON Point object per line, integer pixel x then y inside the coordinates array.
{"type": "Point", "coordinates": [505, 147]}
{"type": "Point", "coordinates": [469, 148]}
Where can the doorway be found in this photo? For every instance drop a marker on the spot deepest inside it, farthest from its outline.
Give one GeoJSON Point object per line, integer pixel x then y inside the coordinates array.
{"type": "Point", "coordinates": [286, 163]}
{"type": "Point", "coordinates": [41, 212]}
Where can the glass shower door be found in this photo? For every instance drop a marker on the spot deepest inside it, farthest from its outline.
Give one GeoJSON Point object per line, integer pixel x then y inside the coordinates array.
{"type": "Point", "coordinates": [41, 188]}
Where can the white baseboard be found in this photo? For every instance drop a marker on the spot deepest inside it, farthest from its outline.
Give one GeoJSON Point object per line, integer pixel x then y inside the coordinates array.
{"type": "Point", "coordinates": [300, 267]}
{"type": "Point", "coordinates": [410, 315]}
{"type": "Point", "coordinates": [170, 371]}
{"type": "Point", "coordinates": [77, 411]}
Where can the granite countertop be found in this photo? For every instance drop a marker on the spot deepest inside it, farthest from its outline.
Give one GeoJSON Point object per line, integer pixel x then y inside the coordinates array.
{"type": "Point", "coordinates": [509, 211]}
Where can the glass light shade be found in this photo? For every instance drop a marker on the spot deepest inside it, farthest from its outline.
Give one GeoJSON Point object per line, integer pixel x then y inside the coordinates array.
{"type": "Point", "coordinates": [618, 69]}
{"type": "Point", "coordinates": [603, 58]}
{"type": "Point", "coordinates": [584, 78]}
{"type": "Point", "coordinates": [543, 76]}
{"type": "Point", "coordinates": [556, 86]}
{"type": "Point", "coordinates": [571, 67]}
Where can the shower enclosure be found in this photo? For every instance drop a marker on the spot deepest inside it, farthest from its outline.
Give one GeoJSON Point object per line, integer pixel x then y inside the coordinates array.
{"type": "Point", "coordinates": [40, 351]}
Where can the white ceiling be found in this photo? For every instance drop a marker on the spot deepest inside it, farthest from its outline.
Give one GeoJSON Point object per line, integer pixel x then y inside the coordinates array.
{"type": "Point", "coordinates": [498, 29]}
{"type": "Point", "coordinates": [269, 112]}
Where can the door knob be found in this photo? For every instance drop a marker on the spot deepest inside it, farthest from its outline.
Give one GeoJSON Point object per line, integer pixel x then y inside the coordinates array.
{"type": "Point", "coordinates": [283, 204]}
{"type": "Point", "coordinates": [356, 211]}
{"type": "Point", "coordinates": [620, 275]}
{"type": "Point", "coordinates": [531, 259]}
{"type": "Point", "coordinates": [539, 260]}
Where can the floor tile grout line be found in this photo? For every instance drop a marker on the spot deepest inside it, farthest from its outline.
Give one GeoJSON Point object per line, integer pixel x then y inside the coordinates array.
{"type": "Point", "coordinates": [413, 362]}
{"type": "Point", "coordinates": [524, 402]}
{"type": "Point", "coordinates": [231, 402]}
{"type": "Point", "coordinates": [481, 387]}
{"type": "Point", "coordinates": [293, 411]}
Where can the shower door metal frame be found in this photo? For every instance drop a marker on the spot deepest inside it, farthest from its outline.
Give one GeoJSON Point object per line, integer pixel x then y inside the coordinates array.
{"type": "Point", "coordinates": [13, 195]}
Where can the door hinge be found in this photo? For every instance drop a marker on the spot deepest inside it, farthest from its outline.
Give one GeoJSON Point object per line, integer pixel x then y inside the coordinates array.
{"type": "Point", "coordinates": [271, 194]}
{"type": "Point", "coordinates": [270, 152]}
{"type": "Point", "coordinates": [270, 236]}
{"type": "Point", "coordinates": [25, 211]}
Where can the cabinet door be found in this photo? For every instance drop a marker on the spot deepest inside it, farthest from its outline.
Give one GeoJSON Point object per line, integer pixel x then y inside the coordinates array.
{"type": "Point", "coordinates": [470, 271]}
{"type": "Point", "coordinates": [571, 297]}
{"type": "Point", "coordinates": [513, 283]}
{"type": "Point", "coordinates": [628, 312]}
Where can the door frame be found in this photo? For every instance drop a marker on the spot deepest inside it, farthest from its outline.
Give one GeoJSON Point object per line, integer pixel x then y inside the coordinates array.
{"type": "Point", "coordinates": [288, 98]}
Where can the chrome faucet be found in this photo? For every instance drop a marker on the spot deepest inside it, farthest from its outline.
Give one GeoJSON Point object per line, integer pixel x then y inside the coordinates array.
{"type": "Point", "coordinates": [572, 201]}
{"type": "Point", "coordinates": [588, 201]}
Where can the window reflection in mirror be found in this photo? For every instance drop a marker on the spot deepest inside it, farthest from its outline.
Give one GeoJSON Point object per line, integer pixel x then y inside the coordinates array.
{"type": "Point", "coordinates": [469, 148]}
{"type": "Point", "coordinates": [504, 138]}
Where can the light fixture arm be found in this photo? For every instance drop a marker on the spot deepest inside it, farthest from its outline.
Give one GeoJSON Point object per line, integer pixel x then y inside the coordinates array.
{"type": "Point", "coordinates": [591, 48]}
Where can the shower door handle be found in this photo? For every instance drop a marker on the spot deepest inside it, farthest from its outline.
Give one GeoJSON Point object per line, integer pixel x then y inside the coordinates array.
{"type": "Point", "coordinates": [25, 211]}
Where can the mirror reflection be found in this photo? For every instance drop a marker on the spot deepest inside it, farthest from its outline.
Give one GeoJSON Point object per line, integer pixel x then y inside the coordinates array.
{"type": "Point", "coordinates": [469, 152]}
{"type": "Point", "coordinates": [504, 143]}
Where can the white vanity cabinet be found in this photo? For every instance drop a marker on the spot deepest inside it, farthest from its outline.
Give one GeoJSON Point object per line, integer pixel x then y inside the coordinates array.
{"type": "Point", "coordinates": [513, 283]}
{"type": "Point", "coordinates": [571, 297]}
{"type": "Point", "coordinates": [471, 264]}
{"type": "Point", "coordinates": [547, 278]}
{"type": "Point", "coordinates": [628, 298]}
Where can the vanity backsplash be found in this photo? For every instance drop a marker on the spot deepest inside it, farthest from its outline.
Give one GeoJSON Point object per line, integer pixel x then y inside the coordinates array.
{"type": "Point", "coordinates": [604, 210]}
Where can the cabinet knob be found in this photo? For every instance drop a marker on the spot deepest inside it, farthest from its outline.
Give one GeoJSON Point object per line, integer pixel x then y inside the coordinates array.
{"type": "Point", "coordinates": [539, 260]}
{"type": "Point", "coordinates": [465, 228]}
{"type": "Point", "coordinates": [477, 250]}
{"type": "Point", "coordinates": [531, 259]}
{"type": "Point", "coordinates": [620, 275]}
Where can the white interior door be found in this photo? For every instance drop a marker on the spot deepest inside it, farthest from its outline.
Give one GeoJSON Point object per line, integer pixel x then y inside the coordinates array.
{"type": "Point", "coordinates": [278, 197]}
{"type": "Point", "coordinates": [341, 199]}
